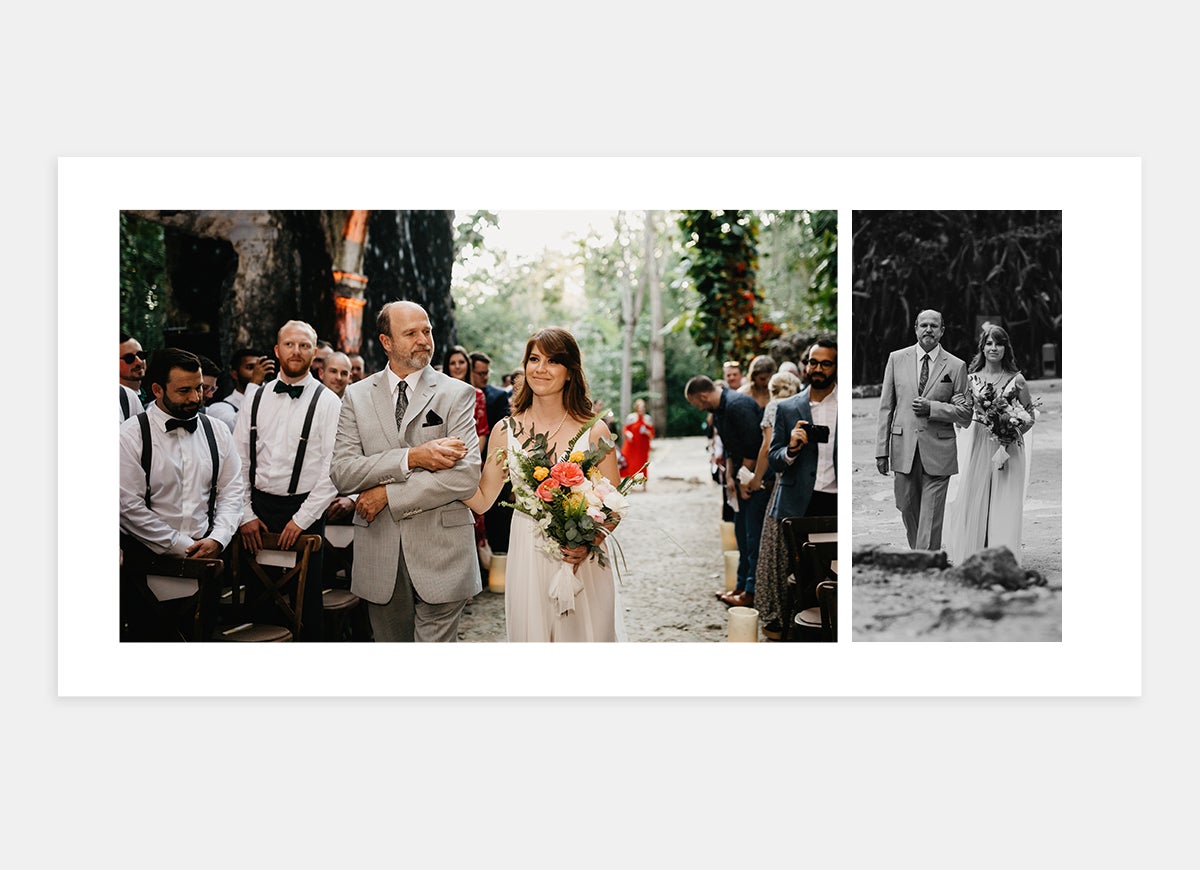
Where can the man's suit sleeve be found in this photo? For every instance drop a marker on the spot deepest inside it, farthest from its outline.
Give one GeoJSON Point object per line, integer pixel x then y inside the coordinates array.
{"type": "Point", "coordinates": [887, 410]}
{"type": "Point", "coordinates": [426, 490]}
{"type": "Point", "coordinates": [353, 471]}
{"type": "Point", "coordinates": [781, 435]}
{"type": "Point", "coordinates": [958, 409]}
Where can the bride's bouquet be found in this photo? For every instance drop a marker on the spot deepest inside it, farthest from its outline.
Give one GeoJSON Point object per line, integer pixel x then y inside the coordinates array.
{"type": "Point", "coordinates": [568, 498]}
{"type": "Point", "coordinates": [1005, 418]}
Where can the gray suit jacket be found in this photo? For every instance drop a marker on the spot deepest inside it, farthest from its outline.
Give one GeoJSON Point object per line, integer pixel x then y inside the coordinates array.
{"type": "Point", "coordinates": [424, 510]}
{"type": "Point", "coordinates": [901, 431]}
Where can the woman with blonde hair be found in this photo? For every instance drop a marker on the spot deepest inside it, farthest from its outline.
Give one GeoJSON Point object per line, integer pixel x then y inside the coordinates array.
{"type": "Point", "coordinates": [756, 386]}
{"type": "Point", "coordinates": [772, 557]}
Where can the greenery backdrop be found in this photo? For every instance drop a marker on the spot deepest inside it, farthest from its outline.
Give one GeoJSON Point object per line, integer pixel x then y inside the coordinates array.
{"type": "Point", "coordinates": [732, 284]}
{"type": "Point", "coordinates": [972, 266]}
{"type": "Point", "coordinates": [790, 270]}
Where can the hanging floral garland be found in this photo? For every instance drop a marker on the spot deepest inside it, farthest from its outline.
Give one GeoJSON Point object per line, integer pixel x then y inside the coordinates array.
{"type": "Point", "coordinates": [720, 250]}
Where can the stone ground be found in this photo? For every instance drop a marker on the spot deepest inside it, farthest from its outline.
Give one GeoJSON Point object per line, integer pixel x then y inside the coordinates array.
{"type": "Point", "coordinates": [925, 605]}
{"type": "Point", "coordinates": [673, 559]}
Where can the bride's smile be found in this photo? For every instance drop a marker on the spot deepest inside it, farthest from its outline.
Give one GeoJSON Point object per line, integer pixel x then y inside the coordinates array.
{"type": "Point", "coordinates": [545, 377]}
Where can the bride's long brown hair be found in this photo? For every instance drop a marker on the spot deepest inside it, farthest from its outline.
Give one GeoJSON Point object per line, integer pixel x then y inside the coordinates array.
{"type": "Point", "coordinates": [558, 346]}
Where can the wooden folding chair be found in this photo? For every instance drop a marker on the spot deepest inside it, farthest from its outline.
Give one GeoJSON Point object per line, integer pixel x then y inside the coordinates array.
{"type": "Point", "coordinates": [172, 587]}
{"type": "Point", "coordinates": [799, 594]}
{"type": "Point", "coordinates": [272, 575]}
{"type": "Point", "coordinates": [338, 601]}
{"type": "Point", "coordinates": [827, 596]}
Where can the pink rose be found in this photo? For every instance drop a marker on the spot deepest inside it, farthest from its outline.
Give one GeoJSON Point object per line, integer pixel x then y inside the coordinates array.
{"type": "Point", "coordinates": [567, 473]}
{"type": "Point", "coordinates": [546, 491]}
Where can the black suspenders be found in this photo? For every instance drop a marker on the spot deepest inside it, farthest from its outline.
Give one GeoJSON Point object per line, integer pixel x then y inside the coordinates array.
{"type": "Point", "coordinates": [299, 463]}
{"type": "Point", "coordinates": [124, 404]}
{"type": "Point", "coordinates": [144, 422]}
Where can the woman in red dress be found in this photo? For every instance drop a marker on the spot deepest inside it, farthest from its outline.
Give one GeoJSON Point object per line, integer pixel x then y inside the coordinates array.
{"type": "Point", "coordinates": [635, 441]}
{"type": "Point", "coordinates": [458, 365]}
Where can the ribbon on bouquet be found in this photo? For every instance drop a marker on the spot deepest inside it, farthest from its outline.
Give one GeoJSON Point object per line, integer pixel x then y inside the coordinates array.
{"type": "Point", "coordinates": [1000, 457]}
{"type": "Point", "coordinates": [565, 584]}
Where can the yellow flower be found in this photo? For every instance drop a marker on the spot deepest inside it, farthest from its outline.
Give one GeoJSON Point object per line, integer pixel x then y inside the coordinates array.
{"type": "Point", "coordinates": [576, 456]}
{"type": "Point", "coordinates": [541, 473]}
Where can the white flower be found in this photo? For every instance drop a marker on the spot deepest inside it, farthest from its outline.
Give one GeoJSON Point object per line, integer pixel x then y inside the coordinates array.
{"type": "Point", "coordinates": [616, 502]}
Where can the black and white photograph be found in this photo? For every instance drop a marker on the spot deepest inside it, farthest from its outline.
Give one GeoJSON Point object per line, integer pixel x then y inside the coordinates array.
{"type": "Point", "coordinates": [957, 426]}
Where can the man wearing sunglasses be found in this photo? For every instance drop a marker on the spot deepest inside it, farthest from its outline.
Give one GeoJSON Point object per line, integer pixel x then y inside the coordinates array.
{"type": "Point", "coordinates": [133, 369]}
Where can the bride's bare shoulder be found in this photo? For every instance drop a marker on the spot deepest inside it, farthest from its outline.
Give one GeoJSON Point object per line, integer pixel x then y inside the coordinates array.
{"type": "Point", "coordinates": [601, 430]}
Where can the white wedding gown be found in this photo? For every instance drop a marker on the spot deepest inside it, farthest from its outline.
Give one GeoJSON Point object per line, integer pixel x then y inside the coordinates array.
{"type": "Point", "coordinates": [985, 507]}
{"type": "Point", "coordinates": [530, 612]}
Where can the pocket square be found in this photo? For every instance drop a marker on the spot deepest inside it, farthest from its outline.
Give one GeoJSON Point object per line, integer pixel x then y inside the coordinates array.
{"type": "Point", "coordinates": [946, 379]}
{"type": "Point", "coordinates": [432, 419]}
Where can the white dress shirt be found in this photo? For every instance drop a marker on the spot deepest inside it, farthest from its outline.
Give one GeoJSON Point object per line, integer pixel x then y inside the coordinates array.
{"type": "Point", "coordinates": [180, 479]}
{"type": "Point", "coordinates": [824, 413]}
{"type": "Point", "coordinates": [227, 409]}
{"type": "Point", "coordinates": [280, 422]}
{"type": "Point", "coordinates": [135, 404]}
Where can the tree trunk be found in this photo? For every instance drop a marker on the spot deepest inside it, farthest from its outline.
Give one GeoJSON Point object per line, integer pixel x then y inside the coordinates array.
{"type": "Point", "coordinates": [282, 267]}
{"type": "Point", "coordinates": [658, 376]}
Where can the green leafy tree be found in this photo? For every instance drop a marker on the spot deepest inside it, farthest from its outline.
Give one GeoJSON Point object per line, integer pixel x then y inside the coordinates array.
{"type": "Point", "coordinates": [722, 260]}
{"type": "Point", "coordinates": [142, 280]}
{"type": "Point", "coordinates": [969, 265]}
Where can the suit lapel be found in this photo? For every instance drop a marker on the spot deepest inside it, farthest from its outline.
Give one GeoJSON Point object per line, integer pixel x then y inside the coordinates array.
{"type": "Point", "coordinates": [385, 408]}
{"type": "Point", "coordinates": [908, 369]}
{"type": "Point", "coordinates": [425, 393]}
{"type": "Point", "coordinates": [937, 368]}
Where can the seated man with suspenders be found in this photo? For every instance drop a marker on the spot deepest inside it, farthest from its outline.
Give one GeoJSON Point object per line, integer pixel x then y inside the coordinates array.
{"type": "Point", "coordinates": [181, 482]}
{"type": "Point", "coordinates": [285, 440]}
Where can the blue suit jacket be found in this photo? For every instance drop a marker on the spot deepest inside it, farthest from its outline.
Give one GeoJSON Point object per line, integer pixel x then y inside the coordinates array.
{"type": "Point", "coordinates": [796, 480]}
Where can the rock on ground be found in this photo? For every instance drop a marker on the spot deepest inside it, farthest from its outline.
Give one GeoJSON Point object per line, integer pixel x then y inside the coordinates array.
{"type": "Point", "coordinates": [988, 597]}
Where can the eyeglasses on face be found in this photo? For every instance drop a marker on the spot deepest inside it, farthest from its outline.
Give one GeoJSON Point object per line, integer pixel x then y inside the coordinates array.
{"type": "Point", "coordinates": [826, 364]}
{"type": "Point", "coordinates": [128, 358]}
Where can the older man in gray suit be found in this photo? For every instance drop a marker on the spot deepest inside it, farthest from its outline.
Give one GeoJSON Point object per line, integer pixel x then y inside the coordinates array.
{"type": "Point", "coordinates": [924, 395]}
{"type": "Point", "coordinates": [406, 443]}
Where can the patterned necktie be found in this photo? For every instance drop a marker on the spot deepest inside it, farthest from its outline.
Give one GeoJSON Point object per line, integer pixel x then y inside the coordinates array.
{"type": "Point", "coordinates": [924, 375]}
{"type": "Point", "coordinates": [401, 405]}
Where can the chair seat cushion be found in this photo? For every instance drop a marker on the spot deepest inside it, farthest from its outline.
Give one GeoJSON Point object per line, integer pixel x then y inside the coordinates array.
{"type": "Point", "coordinates": [338, 599]}
{"type": "Point", "coordinates": [257, 633]}
{"type": "Point", "coordinates": [809, 618]}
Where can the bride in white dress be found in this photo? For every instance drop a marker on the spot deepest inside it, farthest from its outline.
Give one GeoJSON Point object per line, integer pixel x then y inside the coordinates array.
{"type": "Point", "coordinates": [985, 502]}
{"type": "Point", "coordinates": [552, 398]}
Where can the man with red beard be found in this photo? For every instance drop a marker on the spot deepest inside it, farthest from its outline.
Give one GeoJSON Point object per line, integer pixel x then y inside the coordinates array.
{"type": "Point", "coordinates": [171, 501]}
{"type": "Point", "coordinates": [284, 436]}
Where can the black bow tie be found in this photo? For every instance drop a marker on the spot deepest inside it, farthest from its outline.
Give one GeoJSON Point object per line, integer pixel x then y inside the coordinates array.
{"type": "Point", "coordinates": [294, 392]}
{"type": "Point", "coordinates": [190, 425]}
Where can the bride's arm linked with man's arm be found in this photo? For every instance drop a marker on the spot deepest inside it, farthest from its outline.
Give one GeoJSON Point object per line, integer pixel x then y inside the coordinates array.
{"type": "Point", "coordinates": [441, 470]}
